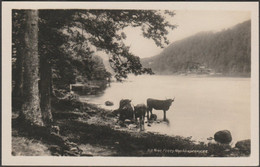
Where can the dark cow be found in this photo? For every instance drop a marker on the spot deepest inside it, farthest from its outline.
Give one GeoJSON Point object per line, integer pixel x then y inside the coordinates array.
{"type": "Point", "coordinates": [158, 105]}
{"type": "Point", "coordinates": [125, 110]}
{"type": "Point", "coordinates": [139, 111]}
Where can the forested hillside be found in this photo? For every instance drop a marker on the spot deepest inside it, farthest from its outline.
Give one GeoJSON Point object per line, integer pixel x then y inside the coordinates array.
{"type": "Point", "coordinates": [227, 52]}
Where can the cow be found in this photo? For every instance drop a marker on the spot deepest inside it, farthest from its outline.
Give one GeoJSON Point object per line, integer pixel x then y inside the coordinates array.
{"type": "Point", "coordinates": [125, 110]}
{"type": "Point", "coordinates": [139, 111]}
{"type": "Point", "coordinates": [158, 105]}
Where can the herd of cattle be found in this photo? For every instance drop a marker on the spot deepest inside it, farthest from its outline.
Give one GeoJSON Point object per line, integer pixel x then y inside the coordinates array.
{"type": "Point", "coordinates": [126, 111]}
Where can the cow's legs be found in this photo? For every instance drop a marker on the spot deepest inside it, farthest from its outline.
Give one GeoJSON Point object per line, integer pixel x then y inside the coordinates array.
{"type": "Point", "coordinates": [141, 120]}
{"type": "Point", "coordinates": [151, 113]}
{"type": "Point", "coordinates": [164, 115]}
{"type": "Point", "coordinates": [149, 109]}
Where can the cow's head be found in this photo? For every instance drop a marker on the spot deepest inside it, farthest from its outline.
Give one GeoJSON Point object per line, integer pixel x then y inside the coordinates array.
{"type": "Point", "coordinates": [171, 100]}
{"type": "Point", "coordinates": [125, 102]}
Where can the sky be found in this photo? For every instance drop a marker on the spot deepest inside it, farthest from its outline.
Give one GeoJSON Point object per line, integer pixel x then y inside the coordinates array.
{"type": "Point", "coordinates": [189, 23]}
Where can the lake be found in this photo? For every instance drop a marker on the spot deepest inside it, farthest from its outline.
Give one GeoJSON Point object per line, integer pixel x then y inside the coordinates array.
{"type": "Point", "coordinates": [202, 106]}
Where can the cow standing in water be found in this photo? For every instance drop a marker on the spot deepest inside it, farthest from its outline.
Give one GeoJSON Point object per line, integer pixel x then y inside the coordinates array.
{"type": "Point", "coordinates": [158, 105]}
{"type": "Point", "coordinates": [139, 111]}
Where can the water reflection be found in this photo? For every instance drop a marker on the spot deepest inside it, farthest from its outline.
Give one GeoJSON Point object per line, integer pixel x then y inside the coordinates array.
{"type": "Point", "coordinates": [204, 105]}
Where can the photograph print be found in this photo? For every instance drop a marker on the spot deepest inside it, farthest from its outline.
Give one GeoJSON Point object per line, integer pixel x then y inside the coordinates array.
{"type": "Point", "coordinates": [131, 82]}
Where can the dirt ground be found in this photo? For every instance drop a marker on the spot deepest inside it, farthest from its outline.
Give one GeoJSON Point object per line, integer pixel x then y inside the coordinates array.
{"type": "Point", "coordinates": [93, 131]}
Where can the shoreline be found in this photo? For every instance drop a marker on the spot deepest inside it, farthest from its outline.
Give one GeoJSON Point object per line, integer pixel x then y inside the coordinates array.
{"type": "Point", "coordinates": [96, 132]}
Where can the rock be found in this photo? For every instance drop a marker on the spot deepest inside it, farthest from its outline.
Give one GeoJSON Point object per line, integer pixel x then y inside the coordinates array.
{"type": "Point", "coordinates": [131, 126]}
{"type": "Point", "coordinates": [128, 121]}
{"type": "Point", "coordinates": [149, 125]}
{"type": "Point", "coordinates": [218, 149]}
{"type": "Point", "coordinates": [117, 127]}
{"type": "Point", "coordinates": [70, 153]}
{"type": "Point", "coordinates": [109, 103]}
{"type": "Point", "coordinates": [74, 149]}
{"type": "Point", "coordinates": [158, 122]}
{"type": "Point", "coordinates": [210, 138]}
{"type": "Point", "coordinates": [243, 145]}
{"type": "Point", "coordinates": [71, 144]}
{"type": "Point", "coordinates": [227, 150]}
{"type": "Point", "coordinates": [223, 137]}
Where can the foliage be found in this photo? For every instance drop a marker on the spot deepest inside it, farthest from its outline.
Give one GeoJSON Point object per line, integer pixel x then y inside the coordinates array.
{"type": "Point", "coordinates": [87, 30]}
{"type": "Point", "coordinates": [60, 51]}
{"type": "Point", "coordinates": [68, 40]}
{"type": "Point", "coordinates": [227, 52]}
{"type": "Point", "coordinates": [18, 27]}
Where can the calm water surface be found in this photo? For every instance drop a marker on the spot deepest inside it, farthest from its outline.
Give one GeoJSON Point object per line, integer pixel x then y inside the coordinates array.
{"type": "Point", "coordinates": [202, 105]}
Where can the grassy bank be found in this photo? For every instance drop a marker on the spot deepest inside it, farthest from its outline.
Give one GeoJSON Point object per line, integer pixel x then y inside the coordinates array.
{"type": "Point", "coordinates": [86, 130]}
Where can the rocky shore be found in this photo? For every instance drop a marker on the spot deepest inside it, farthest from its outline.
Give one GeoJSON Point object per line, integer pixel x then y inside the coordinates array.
{"type": "Point", "coordinates": [82, 129]}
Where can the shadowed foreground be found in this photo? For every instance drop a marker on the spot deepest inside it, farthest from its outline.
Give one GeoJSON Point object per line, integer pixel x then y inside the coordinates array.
{"type": "Point", "coordinates": [91, 131]}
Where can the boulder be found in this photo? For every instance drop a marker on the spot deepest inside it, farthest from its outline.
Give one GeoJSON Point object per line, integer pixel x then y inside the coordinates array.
{"type": "Point", "coordinates": [223, 137]}
{"type": "Point", "coordinates": [218, 149]}
{"type": "Point", "coordinates": [131, 126]}
{"type": "Point", "coordinates": [128, 121]}
{"type": "Point", "coordinates": [243, 145]}
{"type": "Point", "coordinates": [109, 103]}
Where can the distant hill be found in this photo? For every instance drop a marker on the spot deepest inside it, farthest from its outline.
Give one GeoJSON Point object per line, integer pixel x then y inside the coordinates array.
{"type": "Point", "coordinates": [227, 52]}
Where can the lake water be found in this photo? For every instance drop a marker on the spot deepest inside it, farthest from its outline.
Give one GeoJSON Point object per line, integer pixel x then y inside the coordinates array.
{"type": "Point", "coordinates": [202, 105]}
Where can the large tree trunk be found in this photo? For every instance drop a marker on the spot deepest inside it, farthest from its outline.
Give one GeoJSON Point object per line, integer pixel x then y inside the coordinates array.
{"type": "Point", "coordinates": [18, 87]}
{"type": "Point", "coordinates": [45, 89]}
{"type": "Point", "coordinates": [31, 108]}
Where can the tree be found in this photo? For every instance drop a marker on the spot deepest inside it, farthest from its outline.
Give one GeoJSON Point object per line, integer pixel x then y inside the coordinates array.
{"type": "Point", "coordinates": [17, 56]}
{"type": "Point", "coordinates": [45, 89]}
{"type": "Point", "coordinates": [69, 37]}
{"type": "Point", "coordinates": [31, 107]}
